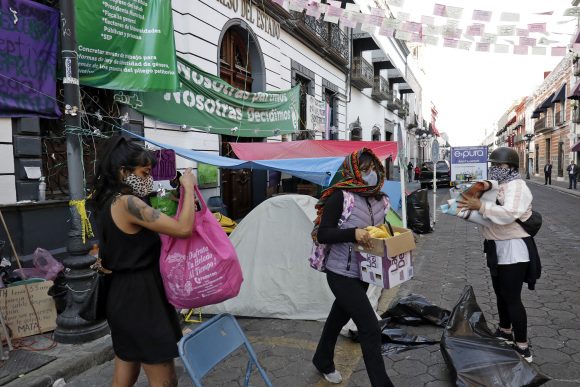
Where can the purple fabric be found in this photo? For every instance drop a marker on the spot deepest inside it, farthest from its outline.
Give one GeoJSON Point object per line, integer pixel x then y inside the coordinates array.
{"type": "Point", "coordinates": [28, 58]}
{"type": "Point", "coordinates": [165, 169]}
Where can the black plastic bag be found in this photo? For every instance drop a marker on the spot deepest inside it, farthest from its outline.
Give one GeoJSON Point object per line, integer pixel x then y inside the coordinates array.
{"type": "Point", "coordinates": [415, 309]}
{"type": "Point", "coordinates": [475, 357]}
{"type": "Point", "coordinates": [397, 340]}
{"type": "Point", "coordinates": [418, 212]}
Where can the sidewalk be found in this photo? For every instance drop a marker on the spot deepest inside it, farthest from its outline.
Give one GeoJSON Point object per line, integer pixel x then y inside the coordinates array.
{"type": "Point", "coordinates": [445, 262]}
{"type": "Point", "coordinates": [561, 186]}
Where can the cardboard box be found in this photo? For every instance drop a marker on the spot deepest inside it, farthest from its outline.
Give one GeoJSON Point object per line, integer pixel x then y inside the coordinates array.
{"type": "Point", "coordinates": [395, 245]}
{"type": "Point", "coordinates": [389, 262]}
{"type": "Point", "coordinates": [19, 315]}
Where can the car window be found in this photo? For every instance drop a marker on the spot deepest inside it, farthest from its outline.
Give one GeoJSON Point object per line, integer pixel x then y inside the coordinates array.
{"type": "Point", "coordinates": [442, 166]}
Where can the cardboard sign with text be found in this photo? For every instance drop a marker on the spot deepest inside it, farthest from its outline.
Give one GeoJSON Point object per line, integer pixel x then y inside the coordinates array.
{"type": "Point", "coordinates": [388, 262]}
{"type": "Point", "coordinates": [19, 314]}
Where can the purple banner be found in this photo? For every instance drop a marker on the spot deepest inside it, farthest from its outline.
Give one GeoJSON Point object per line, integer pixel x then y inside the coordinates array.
{"type": "Point", "coordinates": [166, 167]}
{"type": "Point", "coordinates": [28, 58]}
{"type": "Point", "coordinates": [469, 155]}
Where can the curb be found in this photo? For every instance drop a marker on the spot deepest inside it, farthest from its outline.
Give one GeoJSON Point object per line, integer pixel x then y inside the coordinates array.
{"type": "Point", "coordinates": [557, 188]}
{"type": "Point", "coordinates": [75, 363]}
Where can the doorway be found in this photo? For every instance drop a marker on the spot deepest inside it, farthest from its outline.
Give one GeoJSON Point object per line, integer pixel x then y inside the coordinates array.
{"type": "Point", "coordinates": [241, 65]}
{"type": "Point", "coordinates": [560, 159]}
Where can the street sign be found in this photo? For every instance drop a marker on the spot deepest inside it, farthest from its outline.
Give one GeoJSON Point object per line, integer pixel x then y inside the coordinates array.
{"type": "Point", "coordinates": [435, 151]}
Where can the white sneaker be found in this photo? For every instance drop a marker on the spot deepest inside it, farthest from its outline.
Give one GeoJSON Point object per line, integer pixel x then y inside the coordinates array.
{"type": "Point", "coordinates": [334, 377]}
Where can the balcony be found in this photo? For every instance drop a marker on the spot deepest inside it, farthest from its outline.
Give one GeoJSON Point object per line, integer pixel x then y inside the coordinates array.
{"type": "Point", "coordinates": [380, 89]}
{"type": "Point", "coordinates": [394, 104]}
{"type": "Point", "coordinates": [330, 39]}
{"type": "Point", "coordinates": [519, 138]}
{"type": "Point", "coordinates": [362, 73]}
{"type": "Point", "coordinates": [404, 110]}
{"type": "Point", "coordinates": [576, 116]}
{"type": "Point", "coordinates": [543, 125]}
{"type": "Point", "coordinates": [577, 68]}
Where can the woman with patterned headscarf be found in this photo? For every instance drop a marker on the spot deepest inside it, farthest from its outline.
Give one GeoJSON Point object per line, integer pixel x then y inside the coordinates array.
{"type": "Point", "coordinates": [363, 177]}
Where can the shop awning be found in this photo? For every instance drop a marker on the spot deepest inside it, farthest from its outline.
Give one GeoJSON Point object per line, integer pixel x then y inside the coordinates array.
{"type": "Point", "coordinates": [560, 95]}
{"type": "Point", "coordinates": [536, 113]}
{"type": "Point", "coordinates": [310, 149]}
{"type": "Point", "coordinates": [546, 104]}
{"type": "Point", "coordinates": [576, 92]}
{"type": "Point", "coordinates": [576, 147]}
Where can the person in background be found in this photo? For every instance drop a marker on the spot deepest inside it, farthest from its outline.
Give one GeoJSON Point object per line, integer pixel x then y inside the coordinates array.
{"type": "Point", "coordinates": [363, 176]}
{"type": "Point", "coordinates": [417, 173]}
{"type": "Point", "coordinates": [130, 247]}
{"type": "Point", "coordinates": [548, 173]}
{"type": "Point", "coordinates": [572, 174]}
{"type": "Point", "coordinates": [511, 252]}
{"type": "Point", "coordinates": [410, 171]}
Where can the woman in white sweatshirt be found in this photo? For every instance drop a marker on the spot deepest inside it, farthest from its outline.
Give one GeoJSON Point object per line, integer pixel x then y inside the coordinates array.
{"type": "Point", "coordinates": [511, 252]}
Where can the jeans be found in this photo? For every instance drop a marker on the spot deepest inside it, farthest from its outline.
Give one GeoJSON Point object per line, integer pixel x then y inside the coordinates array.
{"type": "Point", "coordinates": [352, 302]}
{"type": "Point", "coordinates": [572, 181]}
{"type": "Point", "coordinates": [507, 285]}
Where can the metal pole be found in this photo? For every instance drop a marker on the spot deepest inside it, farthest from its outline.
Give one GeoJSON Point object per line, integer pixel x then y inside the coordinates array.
{"type": "Point", "coordinates": [528, 159]}
{"type": "Point", "coordinates": [72, 329]}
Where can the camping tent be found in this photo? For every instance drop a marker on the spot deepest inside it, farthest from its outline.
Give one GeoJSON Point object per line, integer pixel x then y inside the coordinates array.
{"type": "Point", "coordinates": [273, 244]}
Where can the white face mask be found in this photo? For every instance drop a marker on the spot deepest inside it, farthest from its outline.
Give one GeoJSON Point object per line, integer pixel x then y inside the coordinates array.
{"type": "Point", "coordinates": [141, 186]}
{"type": "Point", "coordinates": [371, 178]}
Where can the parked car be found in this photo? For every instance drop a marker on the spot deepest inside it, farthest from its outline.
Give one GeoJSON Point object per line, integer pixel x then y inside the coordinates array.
{"type": "Point", "coordinates": [443, 174]}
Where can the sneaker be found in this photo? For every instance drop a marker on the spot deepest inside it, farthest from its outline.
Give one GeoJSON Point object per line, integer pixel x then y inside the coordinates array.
{"type": "Point", "coordinates": [526, 353]}
{"type": "Point", "coordinates": [334, 377]}
{"type": "Point", "coordinates": [507, 337]}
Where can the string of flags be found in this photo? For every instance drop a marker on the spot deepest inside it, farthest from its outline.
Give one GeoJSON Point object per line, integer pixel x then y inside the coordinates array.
{"type": "Point", "coordinates": [479, 30]}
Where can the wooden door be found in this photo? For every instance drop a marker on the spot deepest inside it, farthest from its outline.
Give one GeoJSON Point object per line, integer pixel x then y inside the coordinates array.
{"type": "Point", "coordinates": [236, 185]}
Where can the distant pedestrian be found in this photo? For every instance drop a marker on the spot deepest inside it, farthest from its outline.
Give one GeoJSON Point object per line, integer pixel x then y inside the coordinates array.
{"type": "Point", "coordinates": [363, 176]}
{"type": "Point", "coordinates": [410, 171]}
{"type": "Point", "coordinates": [572, 174]}
{"type": "Point", "coordinates": [548, 173]}
{"type": "Point", "coordinates": [512, 256]}
{"type": "Point", "coordinates": [417, 173]}
{"type": "Point", "coordinates": [144, 326]}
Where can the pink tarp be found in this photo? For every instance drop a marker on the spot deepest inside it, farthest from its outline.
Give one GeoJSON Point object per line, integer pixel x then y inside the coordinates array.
{"type": "Point", "coordinates": [310, 149]}
{"type": "Point", "coordinates": [576, 147]}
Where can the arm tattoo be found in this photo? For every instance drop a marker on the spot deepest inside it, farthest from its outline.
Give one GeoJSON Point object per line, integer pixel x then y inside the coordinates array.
{"type": "Point", "coordinates": [141, 210]}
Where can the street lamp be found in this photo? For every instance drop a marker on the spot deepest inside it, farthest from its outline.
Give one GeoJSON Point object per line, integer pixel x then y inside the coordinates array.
{"type": "Point", "coordinates": [528, 137]}
{"type": "Point", "coordinates": [423, 137]}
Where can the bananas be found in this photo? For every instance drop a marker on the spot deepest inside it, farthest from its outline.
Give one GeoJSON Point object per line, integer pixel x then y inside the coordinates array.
{"type": "Point", "coordinates": [380, 232]}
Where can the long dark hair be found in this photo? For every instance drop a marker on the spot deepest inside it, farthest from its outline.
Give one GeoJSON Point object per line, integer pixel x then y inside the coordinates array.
{"type": "Point", "coordinates": [117, 153]}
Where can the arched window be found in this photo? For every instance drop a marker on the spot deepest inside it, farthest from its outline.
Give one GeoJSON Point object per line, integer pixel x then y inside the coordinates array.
{"type": "Point", "coordinates": [376, 134]}
{"type": "Point", "coordinates": [355, 130]}
{"type": "Point", "coordinates": [235, 66]}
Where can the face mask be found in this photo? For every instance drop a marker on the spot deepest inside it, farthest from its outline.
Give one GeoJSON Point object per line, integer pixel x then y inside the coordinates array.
{"type": "Point", "coordinates": [498, 173]}
{"type": "Point", "coordinates": [141, 186]}
{"type": "Point", "coordinates": [371, 178]}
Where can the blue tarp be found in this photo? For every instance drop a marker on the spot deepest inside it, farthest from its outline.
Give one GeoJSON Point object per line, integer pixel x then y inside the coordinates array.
{"type": "Point", "coordinates": [319, 170]}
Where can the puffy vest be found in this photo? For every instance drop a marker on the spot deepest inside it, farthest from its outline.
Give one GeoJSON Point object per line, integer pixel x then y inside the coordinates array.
{"type": "Point", "coordinates": [338, 258]}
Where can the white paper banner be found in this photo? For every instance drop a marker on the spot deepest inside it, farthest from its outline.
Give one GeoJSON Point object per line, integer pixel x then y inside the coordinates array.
{"type": "Point", "coordinates": [539, 51]}
{"type": "Point", "coordinates": [357, 17]}
{"type": "Point", "coordinates": [432, 30]}
{"type": "Point", "coordinates": [403, 35]}
{"type": "Point", "coordinates": [452, 33]}
{"type": "Point", "coordinates": [454, 12]}
{"type": "Point", "coordinates": [396, 3]}
{"type": "Point", "coordinates": [297, 5]}
{"type": "Point", "coordinates": [501, 48]}
{"type": "Point", "coordinates": [488, 38]}
{"type": "Point", "coordinates": [387, 31]}
{"type": "Point", "coordinates": [432, 40]}
{"type": "Point", "coordinates": [352, 7]}
{"type": "Point", "coordinates": [403, 16]}
{"type": "Point", "coordinates": [392, 23]}
{"type": "Point", "coordinates": [464, 45]}
{"type": "Point", "coordinates": [439, 10]}
{"type": "Point", "coordinates": [451, 43]}
{"type": "Point", "coordinates": [368, 28]}
{"type": "Point", "coordinates": [480, 15]}
{"type": "Point", "coordinates": [510, 17]}
{"type": "Point", "coordinates": [412, 27]}
{"type": "Point", "coordinates": [429, 20]}
{"type": "Point", "coordinates": [347, 22]}
{"type": "Point", "coordinates": [506, 30]}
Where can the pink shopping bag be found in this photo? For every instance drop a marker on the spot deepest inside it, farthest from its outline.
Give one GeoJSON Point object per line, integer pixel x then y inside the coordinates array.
{"type": "Point", "coordinates": [202, 269]}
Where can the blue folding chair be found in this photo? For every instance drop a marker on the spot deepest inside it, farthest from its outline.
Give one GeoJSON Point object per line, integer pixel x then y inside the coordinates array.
{"type": "Point", "coordinates": [212, 342]}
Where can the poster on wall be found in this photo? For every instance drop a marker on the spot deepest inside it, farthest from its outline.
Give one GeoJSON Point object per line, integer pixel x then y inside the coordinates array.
{"type": "Point", "coordinates": [126, 45]}
{"type": "Point", "coordinates": [28, 46]}
{"type": "Point", "coordinates": [315, 114]}
{"type": "Point", "coordinates": [468, 163]}
{"type": "Point", "coordinates": [207, 103]}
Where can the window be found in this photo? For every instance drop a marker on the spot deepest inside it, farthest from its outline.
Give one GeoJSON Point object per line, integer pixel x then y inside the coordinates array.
{"type": "Point", "coordinates": [304, 88]}
{"type": "Point", "coordinates": [332, 102]}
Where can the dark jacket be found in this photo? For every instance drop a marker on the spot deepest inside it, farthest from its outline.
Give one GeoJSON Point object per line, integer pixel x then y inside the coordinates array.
{"type": "Point", "coordinates": [573, 168]}
{"type": "Point", "coordinates": [548, 168]}
{"type": "Point", "coordinates": [534, 270]}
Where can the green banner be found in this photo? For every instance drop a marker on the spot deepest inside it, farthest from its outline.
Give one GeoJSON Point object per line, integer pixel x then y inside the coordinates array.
{"type": "Point", "coordinates": [126, 44]}
{"type": "Point", "coordinates": [205, 102]}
